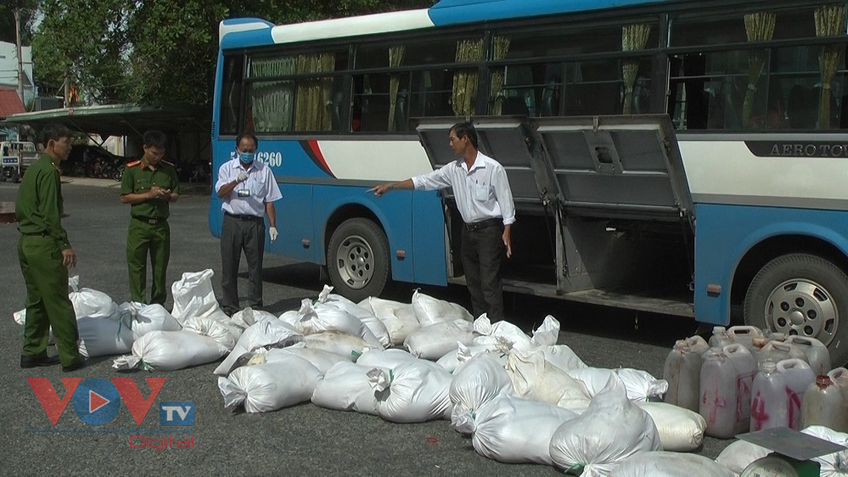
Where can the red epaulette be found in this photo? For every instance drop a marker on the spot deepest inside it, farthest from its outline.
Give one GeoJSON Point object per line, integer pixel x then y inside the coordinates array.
{"type": "Point", "coordinates": [134, 163]}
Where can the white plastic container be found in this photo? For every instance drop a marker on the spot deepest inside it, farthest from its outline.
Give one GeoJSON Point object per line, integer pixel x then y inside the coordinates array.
{"type": "Point", "coordinates": [815, 351]}
{"type": "Point", "coordinates": [825, 404]}
{"type": "Point", "coordinates": [745, 335]}
{"type": "Point", "coordinates": [799, 376]}
{"type": "Point", "coordinates": [770, 401]}
{"type": "Point", "coordinates": [726, 379]}
{"type": "Point", "coordinates": [778, 351]}
{"type": "Point", "coordinates": [682, 370]}
{"type": "Point", "coordinates": [720, 337]}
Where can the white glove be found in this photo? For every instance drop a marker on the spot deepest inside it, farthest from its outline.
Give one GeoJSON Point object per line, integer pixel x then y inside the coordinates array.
{"type": "Point", "coordinates": [273, 233]}
{"type": "Point", "coordinates": [242, 177]}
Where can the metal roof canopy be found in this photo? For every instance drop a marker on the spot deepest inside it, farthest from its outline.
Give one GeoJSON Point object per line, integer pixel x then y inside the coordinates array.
{"type": "Point", "coordinates": [118, 119]}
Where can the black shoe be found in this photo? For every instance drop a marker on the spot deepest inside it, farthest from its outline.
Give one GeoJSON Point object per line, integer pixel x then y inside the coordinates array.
{"type": "Point", "coordinates": [34, 362]}
{"type": "Point", "coordinates": [74, 366]}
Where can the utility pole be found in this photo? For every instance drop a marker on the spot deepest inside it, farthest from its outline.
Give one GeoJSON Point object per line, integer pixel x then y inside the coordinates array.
{"type": "Point", "coordinates": [20, 56]}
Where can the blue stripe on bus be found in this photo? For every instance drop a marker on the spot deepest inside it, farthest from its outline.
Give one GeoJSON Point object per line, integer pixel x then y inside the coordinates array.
{"type": "Point", "coordinates": [245, 39]}
{"type": "Point", "coordinates": [242, 21]}
{"type": "Point", "coordinates": [455, 12]}
{"type": "Point", "coordinates": [725, 233]}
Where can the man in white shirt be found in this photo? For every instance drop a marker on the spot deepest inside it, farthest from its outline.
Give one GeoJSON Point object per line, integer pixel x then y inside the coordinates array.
{"type": "Point", "coordinates": [248, 190]}
{"type": "Point", "coordinates": [485, 203]}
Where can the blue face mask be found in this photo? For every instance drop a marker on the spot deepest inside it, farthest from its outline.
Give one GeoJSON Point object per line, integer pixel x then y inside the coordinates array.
{"type": "Point", "coordinates": [246, 157]}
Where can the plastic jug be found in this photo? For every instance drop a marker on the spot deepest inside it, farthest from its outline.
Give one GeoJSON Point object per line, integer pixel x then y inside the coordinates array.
{"type": "Point", "coordinates": [726, 378]}
{"type": "Point", "coordinates": [826, 402]}
{"type": "Point", "coordinates": [778, 351]}
{"type": "Point", "coordinates": [770, 401]}
{"type": "Point", "coordinates": [682, 370]}
{"type": "Point", "coordinates": [720, 337]}
{"type": "Point", "coordinates": [799, 376]}
{"type": "Point", "coordinates": [745, 335]}
{"type": "Point", "coordinates": [816, 352]}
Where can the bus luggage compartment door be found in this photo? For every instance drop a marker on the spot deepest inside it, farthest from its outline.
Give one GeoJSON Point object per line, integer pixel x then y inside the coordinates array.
{"type": "Point", "coordinates": [625, 167]}
{"type": "Point", "coordinates": [507, 139]}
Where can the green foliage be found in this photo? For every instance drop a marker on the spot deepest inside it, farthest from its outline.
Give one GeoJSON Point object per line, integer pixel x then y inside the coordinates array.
{"type": "Point", "coordinates": [7, 19]}
{"type": "Point", "coordinates": [158, 51]}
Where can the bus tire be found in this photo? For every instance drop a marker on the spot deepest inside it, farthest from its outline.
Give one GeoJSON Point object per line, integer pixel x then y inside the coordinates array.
{"type": "Point", "coordinates": [358, 259]}
{"type": "Point", "coordinates": [802, 294]}
{"type": "Point", "coordinates": [14, 176]}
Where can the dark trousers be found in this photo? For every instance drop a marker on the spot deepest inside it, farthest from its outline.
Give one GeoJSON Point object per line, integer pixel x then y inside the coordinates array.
{"type": "Point", "coordinates": [47, 302]}
{"type": "Point", "coordinates": [143, 240]}
{"type": "Point", "coordinates": [482, 252]}
{"type": "Point", "coordinates": [237, 235]}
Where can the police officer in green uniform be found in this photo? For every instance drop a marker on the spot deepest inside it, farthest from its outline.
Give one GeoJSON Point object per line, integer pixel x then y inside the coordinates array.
{"type": "Point", "coordinates": [149, 185]}
{"type": "Point", "coordinates": [45, 256]}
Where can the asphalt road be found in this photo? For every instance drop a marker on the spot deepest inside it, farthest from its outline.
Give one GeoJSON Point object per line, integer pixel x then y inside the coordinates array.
{"type": "Point", "coordinates": [303, 440]}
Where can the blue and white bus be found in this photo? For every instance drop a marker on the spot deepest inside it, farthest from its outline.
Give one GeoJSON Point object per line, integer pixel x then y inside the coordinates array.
{"type": "Point", "coordinates": [686, 157]}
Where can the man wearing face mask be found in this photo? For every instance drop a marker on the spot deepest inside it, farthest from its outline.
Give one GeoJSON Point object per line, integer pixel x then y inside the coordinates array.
{"type": "Point", "coordinates": [248, 190]}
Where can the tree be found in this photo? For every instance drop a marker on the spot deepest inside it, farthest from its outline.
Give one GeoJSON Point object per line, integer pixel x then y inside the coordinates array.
{"type": "Point", "coordinates": [158, 51]}
{"type": "Point", "coordinates": [28, 10]}
{"type": "Point", "coordinates": [85, 43]}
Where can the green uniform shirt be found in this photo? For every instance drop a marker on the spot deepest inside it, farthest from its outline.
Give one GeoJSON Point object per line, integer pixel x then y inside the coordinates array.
{"type": "Point", "coordinates": [39, 205]}
{"type": "Point", "coordinates": [140, 178]}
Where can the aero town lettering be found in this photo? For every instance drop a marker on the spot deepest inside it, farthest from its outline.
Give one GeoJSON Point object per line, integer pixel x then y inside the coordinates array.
{"type": "Point", "coordinates": [809, 150]}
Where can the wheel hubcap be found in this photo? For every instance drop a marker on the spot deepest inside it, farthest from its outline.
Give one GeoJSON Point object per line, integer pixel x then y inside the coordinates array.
{"type": "Point", "coordinates": [802, 307]}
{"type": "Point", "coordinates": [355, 262]}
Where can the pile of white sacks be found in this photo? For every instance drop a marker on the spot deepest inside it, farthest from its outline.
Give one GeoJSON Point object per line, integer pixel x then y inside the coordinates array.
{"type": "Point", "coordinates": [522, 399]}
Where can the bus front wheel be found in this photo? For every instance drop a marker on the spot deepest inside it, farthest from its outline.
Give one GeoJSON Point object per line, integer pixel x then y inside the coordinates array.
{"type": "Point", "coordinates": [802, 294]}
{"type": "Point", "coordinates": [358, 259]}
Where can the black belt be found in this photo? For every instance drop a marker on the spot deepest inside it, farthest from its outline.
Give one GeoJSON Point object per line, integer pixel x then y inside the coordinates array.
{"type": "Point", "coordinates": [151, 220]}
{"type": "Point", "coordinates": [474, 226]}
{"type": "Point", "coordinates": [244, 216]}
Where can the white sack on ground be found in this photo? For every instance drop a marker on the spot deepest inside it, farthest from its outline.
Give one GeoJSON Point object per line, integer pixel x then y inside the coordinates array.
{"type": "Point", "coordinates": [323, 360]}
{"type": "Point", "coordinates": [248, 316]}
{"type": "Point", "coordinates": [363, 314]}
{"type": "Point", "coordinates": [398, 318]}
{"type": "Point", "coordinates": [145, 318]}
{"type": "Point", "coordinates": [561, 356]}
{"type": "Point", "coordinates": [547, 334]}
{"type": "Point", "coordinates": [346, 387]}
{"type": "Point", "coordinates": [286, 381]}
{"type": "Point", "coordinates": [611, 430]}
{"type": "Point", "coordinates": [193, 295]}
{"type": "Point", "coordinates": [385, 358]}
{"type": "Point", "coordinates": [216, 330]}
{"type": "Point", "coordinates": [321, 317]}
{"type": "Point", "coordinates": [411, 392]}
{"type": "Point", "coordinates": [669, 464]}
{"type": "Point", "coordinates": [640, 385]}
{"type": "Point", "coordinates": [433, 341]}
{"type": "Point", "coordinates": [349, 346]}
{"type": "Point", "coordinates": [267, 332]}
{"type": "Point", "coordinates": [835, 464]}
{"type": "Point", "coordinates": [171, 350]}
{"type": "Point", "coordinates": [453, 360]}
{"type": "Point", "coordinates": [481, 380]}
{"type": "Point", "coordinates": [104, 336]}
{"type": "Point", "coordinates": [739, 455]}
{"type": "Point", "coordinates": [681, 430]}
{"type": "Point", "coordinates": [429, 310]}
{"type": "Point", "coordinates": [502, 333]}
{"type": "Point", "coordinates": [90, 303]}
{"type": "Point", "coordinates": [536, 379]}
{"type": "Point", "coordinates": [514, 430]}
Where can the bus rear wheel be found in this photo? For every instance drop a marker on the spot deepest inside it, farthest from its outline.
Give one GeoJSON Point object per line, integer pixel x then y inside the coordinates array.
{"type": "Point", "coordinates": [802, 294]}
{"type": "Point", "coordinates": [358, 259]}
